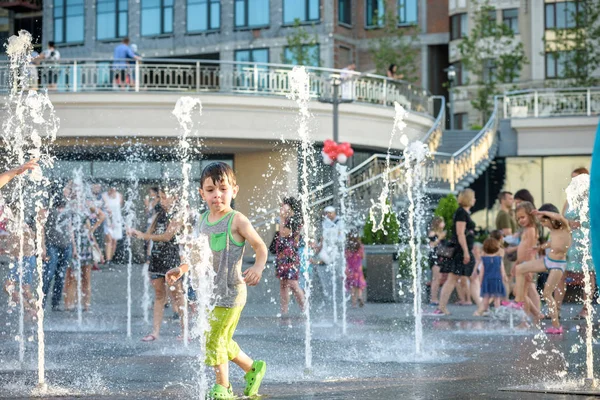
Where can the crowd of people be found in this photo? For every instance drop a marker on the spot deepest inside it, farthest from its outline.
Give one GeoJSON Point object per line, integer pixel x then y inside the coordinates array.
{"type": "Point", "coordinates": [530, 256]}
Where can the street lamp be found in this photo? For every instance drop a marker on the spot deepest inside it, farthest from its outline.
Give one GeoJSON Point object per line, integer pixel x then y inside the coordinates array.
{"type": "Point", "coordinates": [451, 71]}
{"type": "Point", "coordinates": [336, 101]}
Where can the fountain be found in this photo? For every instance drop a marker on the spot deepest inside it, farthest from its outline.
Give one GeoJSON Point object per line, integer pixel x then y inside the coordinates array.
{"type": "Point", "coordinates": [29, 130]}
{"type": "Point", "coordinates": [415, 154]}
{"type": "Point", "coordinates": [79, 205]}
{"type": "Point", "coordinates": [300, 93]}
{"type": "Point", "coordinates": [578, 198]}
{"type": "Point", "coordinates": [183, 112]}
{"type": "Point", "coordinates": [342, 173]}
{"type": "Point", "coordinates": [130, 219]}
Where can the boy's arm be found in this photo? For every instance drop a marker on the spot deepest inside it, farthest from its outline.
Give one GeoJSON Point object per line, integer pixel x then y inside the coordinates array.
{"type": "Point", "coordinates": [245, 229]}
{"type": "Point", "coordinates": [552, 216]}
{"type": "Point", "coordinates": [99, 220]}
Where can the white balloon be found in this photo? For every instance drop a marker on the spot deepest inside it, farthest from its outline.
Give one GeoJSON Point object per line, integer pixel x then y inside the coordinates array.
{"type": "Point", "coordinates": [326, 159]}
{"type": "Point", "coordinates": [341, 158]}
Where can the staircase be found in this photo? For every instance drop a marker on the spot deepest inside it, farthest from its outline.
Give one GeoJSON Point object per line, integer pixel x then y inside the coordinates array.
{"type": "Point", "coordinates": [457, 159]}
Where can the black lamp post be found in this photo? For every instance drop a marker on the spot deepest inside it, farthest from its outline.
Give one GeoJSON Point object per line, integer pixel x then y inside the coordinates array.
{"type": "Point", "coordinates": [336, 100]}
{"type": "Point", "coordinates": [451, 71]}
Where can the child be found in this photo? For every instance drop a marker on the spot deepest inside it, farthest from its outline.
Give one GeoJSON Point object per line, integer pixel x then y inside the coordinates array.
{"type": "Point", "coordinates": [228, 231]}
{"type": "Point", "coordinates": [88, 246]}
{"type": "Point", "coordinates": [529, 239]}
{"type": "Point", "coordinates": [355, 278]}
{"type": "Point", "coordinates": [437, 236]}
{"type": "Point", "coordinates": [492, 276]}
{"type": "Point", "coordinates": [554, 262]}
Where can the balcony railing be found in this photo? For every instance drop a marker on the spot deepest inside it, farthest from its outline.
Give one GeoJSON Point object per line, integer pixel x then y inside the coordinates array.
{"type": "Point", "coordinates": [535, 103]}
{"type": "Point", "coordinates": [161, 75]}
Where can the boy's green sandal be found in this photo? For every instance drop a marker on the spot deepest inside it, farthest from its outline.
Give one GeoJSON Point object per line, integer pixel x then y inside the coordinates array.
{"type": "Point", "coordinates": [254, 377]}
{"type": "Point", "coordinates": [220, 392]}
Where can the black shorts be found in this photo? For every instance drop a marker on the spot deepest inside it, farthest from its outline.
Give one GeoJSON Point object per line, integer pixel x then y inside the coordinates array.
{"type": "Point", "coordinates": [457, 267]}
{"type": "Point", "coordinates": [120, 75]}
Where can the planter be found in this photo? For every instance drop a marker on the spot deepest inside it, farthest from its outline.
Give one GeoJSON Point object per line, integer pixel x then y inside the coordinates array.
{"type": "Point", "coordinates": [381, 271]}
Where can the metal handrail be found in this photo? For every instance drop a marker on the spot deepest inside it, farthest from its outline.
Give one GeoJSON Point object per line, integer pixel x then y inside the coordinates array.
{"type": "Point", "coordinates": [552, 102]}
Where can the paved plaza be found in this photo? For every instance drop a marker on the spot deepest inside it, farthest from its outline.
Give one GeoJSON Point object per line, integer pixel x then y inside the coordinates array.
{"type": "Point", "coordinates": [463, 357]}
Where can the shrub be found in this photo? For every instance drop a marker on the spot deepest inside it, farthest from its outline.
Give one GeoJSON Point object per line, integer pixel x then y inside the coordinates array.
{"type": "Point", "coordinates": [389, 235]}
{"type": "Point", "coordinates": [446, 209]}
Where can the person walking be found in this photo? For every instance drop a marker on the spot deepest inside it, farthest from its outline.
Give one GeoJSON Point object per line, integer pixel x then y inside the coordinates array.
{"type": "Point", "coordinates": [113, 226]}
{"type": "Point", "coordinates": [121, 54]}
{"type": "Point", "coordinates": [463, 260]}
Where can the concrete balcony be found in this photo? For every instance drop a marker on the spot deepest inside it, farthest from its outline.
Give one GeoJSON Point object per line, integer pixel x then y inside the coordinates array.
{"type": "Point", "coordinates": [242, 101]}
{"type": "Point", "coordinates": [548, 122]}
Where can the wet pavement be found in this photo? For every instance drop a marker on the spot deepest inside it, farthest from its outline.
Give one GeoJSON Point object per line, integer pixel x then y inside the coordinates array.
{"type": "Point", "coordinates": [463, 356]}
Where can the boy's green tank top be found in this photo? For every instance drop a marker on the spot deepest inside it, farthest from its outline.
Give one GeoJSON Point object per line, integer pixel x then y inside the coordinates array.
{"type": "Point", "coordinates": [230, 288]}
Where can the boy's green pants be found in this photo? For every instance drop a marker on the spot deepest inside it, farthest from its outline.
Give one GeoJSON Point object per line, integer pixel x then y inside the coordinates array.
{"type": "Point", "coordinates": [220, 346]}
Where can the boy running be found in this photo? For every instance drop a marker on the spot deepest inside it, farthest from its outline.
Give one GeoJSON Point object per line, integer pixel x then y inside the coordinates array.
{"type": "Point", "coordinates": [227, 231]}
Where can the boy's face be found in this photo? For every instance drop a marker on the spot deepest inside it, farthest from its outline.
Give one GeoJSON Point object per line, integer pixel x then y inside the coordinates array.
{"type": "Point", "coordinates": [218, 195]}
{"type": "Point", "coordinates": [166, 201]}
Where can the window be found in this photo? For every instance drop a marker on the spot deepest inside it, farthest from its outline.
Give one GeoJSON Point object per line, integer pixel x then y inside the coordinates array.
{"type": "Point", "coordinates": [345, 12]}
{"type": "Point", "coordinates": [556, 64]}
{"type": "Point", "coordinates": [510, 19]}
{"type": "Point", "coordinates": [252, 55]}
{"type": "Point", "coordinates": [490, 23]}
{"type": "Point", "coordinates": [310, 55]}
{"type": "Point", "coordinates": [251, 13]}
{"type": "Point", "coordinates": [68, 21]}
{"type": "Point", "coordinates": [111, 19]}
{"type": "Point", "coordinates": [345, 56]}
{"type": "Point", "coordinates": [407, 12]}
{"type": "Point", "coordinates": [489, 70]}
{"type": "Point", "coordinates": [157, 17]}
{"type": "Point", "coordinates": [458, 26]}
{"type": "Point", "coordinates": [561, 15]}
{"type": "Point", "coordinates": [303, 10]}
{"type": "Point", "coordinates": [462, 76]}
{"type": "Point", "coordinates": [374, 13]}
{"type": "Point", "coordinates": [203, 15]}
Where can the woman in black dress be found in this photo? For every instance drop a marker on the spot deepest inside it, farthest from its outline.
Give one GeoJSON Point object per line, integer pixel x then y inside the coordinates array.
{"type": "Point", "coordinates": [462, 263]}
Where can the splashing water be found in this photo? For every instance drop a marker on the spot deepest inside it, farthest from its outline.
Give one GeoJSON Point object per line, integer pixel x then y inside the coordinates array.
{"type": "Point", "coordinates": [342, 180]}
{"type": "Point", "coordinates": [146, 293]}
{"type": "Point", "coordinates": [415, 155]}
{"type": "Point", "coordinates": [202, 275]}
{"type": "Point", "coordinates": [130, 220]}
{"type": "Point", "coordinates": [578, 193]}
{"type": "Point", "coordinates": [184, 109]}
{"type": "Point", "coordinates": [382, 207]}
{"type": "Point", "coordinates": [300, 93]}
{"type": "Point", "coordinates": [79, 205]}
{"type": "Point", "coordinates": [30, 129]}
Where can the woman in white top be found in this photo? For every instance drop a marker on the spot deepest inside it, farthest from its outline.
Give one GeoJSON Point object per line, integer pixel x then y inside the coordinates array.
{"type": "Point", "coordinates": [113, 226]}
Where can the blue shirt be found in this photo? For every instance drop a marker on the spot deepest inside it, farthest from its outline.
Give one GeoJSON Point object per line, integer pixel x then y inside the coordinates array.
{"type": "Point", "coordinates": [122, 52]}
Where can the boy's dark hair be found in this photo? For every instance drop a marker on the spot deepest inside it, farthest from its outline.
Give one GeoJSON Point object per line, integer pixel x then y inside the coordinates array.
{"type": "Point", "coordinates": [549, 207]}
{"type": "Point", "coordinates": [491, 245]}
{"type": "Point", "coordinates": [218, 171]}
{"type": "Point", "coordinates": [154, 189]}
{"type": "Point", "coordinates": [51, 44]}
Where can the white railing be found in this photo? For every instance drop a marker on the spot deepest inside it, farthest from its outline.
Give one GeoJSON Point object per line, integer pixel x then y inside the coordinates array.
{"type": "Point", "coordinates": [552, 103]}
{"type": "Point", "coordinates": [162, 75]}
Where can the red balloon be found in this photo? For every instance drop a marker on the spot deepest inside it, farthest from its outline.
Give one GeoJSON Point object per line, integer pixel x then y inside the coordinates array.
{"type": "Point", "coordinates": [332, 154]}
{"type": "Point", "coordinates": [350, 152]}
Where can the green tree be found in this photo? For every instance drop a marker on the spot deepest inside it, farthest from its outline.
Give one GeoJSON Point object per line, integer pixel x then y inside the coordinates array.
{"type": "Point", "coordinates": [301, 46]}
{"type": "Point", "coordinates": [578, 45]}
{"type": "Point", "coordinates": [446, 209]}
{"type": "Point", "coordinates": [390, 234]}
{"type": "Point", "coordinates": [395, 46]}
{"type": "Point", "coordinates": [491, 54]}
